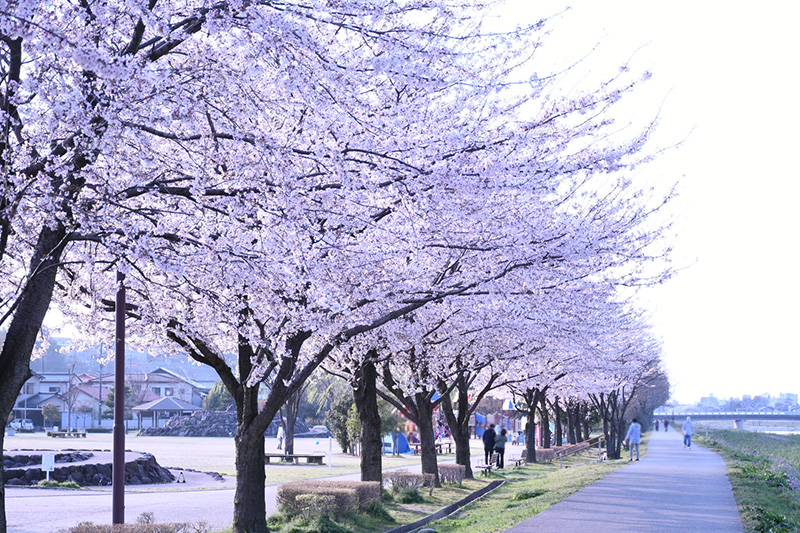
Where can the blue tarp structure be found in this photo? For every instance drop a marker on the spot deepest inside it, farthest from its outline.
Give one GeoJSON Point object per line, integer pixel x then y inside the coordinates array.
{"type": "Point", "coordinates": [480, 424]}
{"type": "Point", "coordinates": [402, 444]}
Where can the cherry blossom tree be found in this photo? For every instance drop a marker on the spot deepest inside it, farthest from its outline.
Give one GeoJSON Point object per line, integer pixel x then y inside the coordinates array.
{"type": "Point", "coordinates": [276, 179]}
{"type": "Point", "coordinates": [629, 363]}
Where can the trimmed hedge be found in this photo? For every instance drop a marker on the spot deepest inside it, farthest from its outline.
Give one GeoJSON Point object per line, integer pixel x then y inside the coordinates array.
{"type": "Point", "coordinates": [348, 496]}
{"type": "Point", "coordinates": [311, 505]}
{"type": "Point", "coordinates": [452, 473]}
{"type": "Point", "coordinates": [402, 480]}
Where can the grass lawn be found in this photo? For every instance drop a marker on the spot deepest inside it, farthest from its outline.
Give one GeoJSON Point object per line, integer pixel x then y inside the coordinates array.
{"type": "Point", "coordinates": [528, 490]}
{"type": "Point", "coordinates": [763, 471]}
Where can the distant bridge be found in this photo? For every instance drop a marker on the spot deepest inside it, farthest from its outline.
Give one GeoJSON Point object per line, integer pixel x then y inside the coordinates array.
{"type": "Point", "coordinates": [738, 417]}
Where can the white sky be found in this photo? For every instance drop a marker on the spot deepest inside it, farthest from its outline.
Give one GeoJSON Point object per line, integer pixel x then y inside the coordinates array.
{"type": "Point", "coordinates": [727, 74]}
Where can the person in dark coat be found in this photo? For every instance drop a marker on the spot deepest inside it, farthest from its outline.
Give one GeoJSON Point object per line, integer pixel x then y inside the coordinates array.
{"type": "Point", "coordinates": [488, 442]}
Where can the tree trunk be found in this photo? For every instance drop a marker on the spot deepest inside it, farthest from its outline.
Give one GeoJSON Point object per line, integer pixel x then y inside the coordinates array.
{"type": "Point", "coordinates": [559, 428]}
{"type": "Point", "coordinates": [584, 419]}
{"type": "Point", "coordinates": [571, 424]}
{"type": "Point", "coordinates": [3, 526]}
{"type": "Point", "coordinates": [366, 399]}
{"type": "Point", "coordinates": [15, 358]}
{"type": "Point", "coordinates": [249, 505]}
{"type": "Point", "coordinates": [530, 435]}
{"type": "Point", "coordinates": [290, 409]}
{"type": "Point", "coordinates": [531, 397]}
{"type": "Point", "coordinates": [544, 416]}
{"type": "Point", "coordinates": [426, 436]}
{"type": "Point", "coordinates": [459, 425]}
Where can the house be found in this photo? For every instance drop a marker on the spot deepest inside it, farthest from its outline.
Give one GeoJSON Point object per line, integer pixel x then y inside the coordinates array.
{"type": "Point", "coordinates": [166, 384]}
{"type": "Point", "coordinates": [30, 401]}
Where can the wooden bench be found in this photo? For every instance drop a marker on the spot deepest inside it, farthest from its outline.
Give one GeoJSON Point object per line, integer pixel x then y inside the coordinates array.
{"type": "Point", "coordinates": [487, 469]}
{"type": "Point", "coordinates": [311, 458]}
{"type": "Point", "coordinates": [519, 460]}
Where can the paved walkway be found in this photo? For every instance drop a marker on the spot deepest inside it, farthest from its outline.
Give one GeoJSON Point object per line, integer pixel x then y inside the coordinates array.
{"type": "Point", "coordinates": [671, 489]}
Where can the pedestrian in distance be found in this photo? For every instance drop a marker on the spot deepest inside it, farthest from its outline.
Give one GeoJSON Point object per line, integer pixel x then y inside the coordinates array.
{"type": "Point", "coordinates": [688, 431]}
{"type": "Point", "coordinates": [634, 436]}
{"type": "Point", "coordinates": [280, 436]}
{"type": "Point", "coordinates": [488, 442]}
{"type": "Point", "coordinates": [656, 423]}
{"type": "Point", "coordinates": [500, 447]}
{"type": "Point", "coordinates": [666, 424]}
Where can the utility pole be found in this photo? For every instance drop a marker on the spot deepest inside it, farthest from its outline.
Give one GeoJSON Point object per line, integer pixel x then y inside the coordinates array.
{"type": "Point", "coordinates": [118, 467]}
{"type": "Point", "coordinates": [100, 389]}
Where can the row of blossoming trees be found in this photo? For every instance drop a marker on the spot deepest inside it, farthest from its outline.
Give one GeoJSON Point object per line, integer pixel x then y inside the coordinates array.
{"type": "Point", "coordinates": [385, 188]}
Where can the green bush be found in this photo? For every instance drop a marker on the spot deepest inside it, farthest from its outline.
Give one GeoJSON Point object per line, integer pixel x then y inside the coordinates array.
{"type": "Point", "coordinates": [377, 510]}
{"type": "Point", "coordinates": [410, 496]}
{"type": "Point", "coordinates": [769, 522]}
{"type": "Point", "coordinates": [56, 484]}
{"type": "Point", "coordinates": [527, 494]}
{"type": "Point", "coordinates": [321, 524]}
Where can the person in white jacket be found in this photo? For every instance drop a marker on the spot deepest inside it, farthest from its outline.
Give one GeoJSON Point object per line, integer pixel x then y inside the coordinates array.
{"type": "Point", "coordinates": [634, 436]}
{"type": "Point", "coordinates": [688, 431]}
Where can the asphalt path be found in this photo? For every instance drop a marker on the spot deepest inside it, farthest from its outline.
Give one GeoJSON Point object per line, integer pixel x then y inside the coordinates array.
{"type": "Point", "coordinates": [671, 489]}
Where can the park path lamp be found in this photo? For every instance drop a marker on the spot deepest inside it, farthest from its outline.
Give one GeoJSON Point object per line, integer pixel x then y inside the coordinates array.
{"type": "Point", "coordinates": [118, 462]}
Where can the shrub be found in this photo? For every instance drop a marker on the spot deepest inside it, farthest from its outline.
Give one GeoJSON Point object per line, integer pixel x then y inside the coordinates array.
{"type": "Point", "coordinates": [402, 480]}
{"type": "Point", "coordinates": [410, 496]}
{"type": "Point", "coordinates": [61, 485]}
{"type": "Point", "coordinates": [344, 501]}
{"type": "Point", "coordinates": [378, 511]}
{"type": "Point", "coordinates": [364, 493]}
{"type": "Point", "coordinates": [180, 527]}
{"type": "Point", "coordinates": [452, 473]}
{"type": "Point", "coordinates": [311, 505]}
{"type": "Point", "coordinates": [527, 494]}
{"type": "Point", "coordinates": [321, 524]}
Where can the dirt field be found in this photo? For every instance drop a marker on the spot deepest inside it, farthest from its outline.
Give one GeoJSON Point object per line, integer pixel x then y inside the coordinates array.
{"type": "Point", "coordinates": [216, 454]}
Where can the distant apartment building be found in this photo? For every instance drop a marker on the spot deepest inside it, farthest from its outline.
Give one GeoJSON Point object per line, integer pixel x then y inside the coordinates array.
{"type": "Point", "coordinates": [708, 402]}
{"type": "Point", "coordinates": [788, 398]}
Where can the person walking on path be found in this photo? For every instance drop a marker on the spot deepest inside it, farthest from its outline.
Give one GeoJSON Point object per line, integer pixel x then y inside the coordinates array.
{"type": "Point", "coordinates": [666, 424]}
{"type": "Point", "coordinates": [656, 424]}
{"type": "Point", "coordinates": [488, 442]}
{"type": "Point", "coordinates": [634, 436]}
{"type": "Point", "coordinates": [500, 447]}
{"type": "Point", "coordinates": [688, 431]}
{"type": "Point", "coordinates": [280, 436]}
